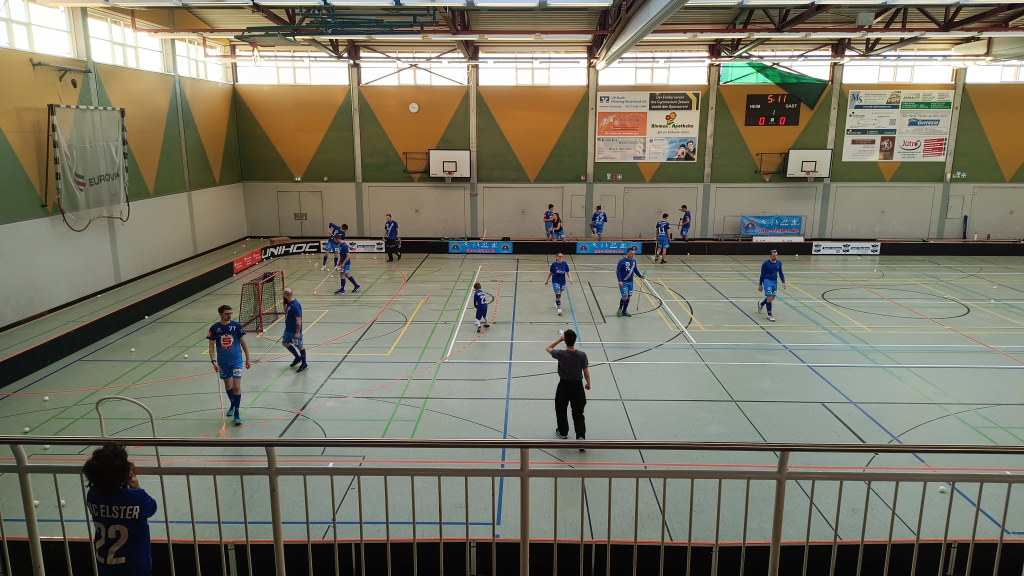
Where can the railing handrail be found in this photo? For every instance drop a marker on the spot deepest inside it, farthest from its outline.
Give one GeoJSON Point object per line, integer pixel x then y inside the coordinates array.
{"type": "Point", "coordinates": [489, 443]}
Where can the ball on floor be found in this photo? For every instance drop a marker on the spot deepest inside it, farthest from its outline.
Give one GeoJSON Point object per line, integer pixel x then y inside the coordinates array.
{"type": "Point", "coordinates": [186, 356]}
{"type": "Point", "coordinates": [942, 489]}
{"type": "Point", "coordinates": [133, 349]}
{"type": "Point", "coordinates": [46, 398]}
{"type": "Point", "coordinates": [26, 429]}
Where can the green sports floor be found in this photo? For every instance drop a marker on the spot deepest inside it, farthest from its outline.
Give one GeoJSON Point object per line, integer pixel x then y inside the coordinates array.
{"type": "Point", "coordinates": [906, 350]}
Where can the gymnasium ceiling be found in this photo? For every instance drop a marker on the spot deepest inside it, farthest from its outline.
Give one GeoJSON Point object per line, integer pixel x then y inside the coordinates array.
{"type": "Point", "coordinates": [605, 30]}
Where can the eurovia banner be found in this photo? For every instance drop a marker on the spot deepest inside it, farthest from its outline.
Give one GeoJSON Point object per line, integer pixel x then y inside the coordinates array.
{"type": "Point", "coordinates": [647, 126]}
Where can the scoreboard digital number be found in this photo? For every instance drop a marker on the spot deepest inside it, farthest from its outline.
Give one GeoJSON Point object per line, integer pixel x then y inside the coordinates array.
{"type": "Point", "coordinates": [772, 110]}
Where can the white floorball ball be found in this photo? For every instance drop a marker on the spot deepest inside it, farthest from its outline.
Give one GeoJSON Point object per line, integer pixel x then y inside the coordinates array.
{"type": "Point", "coordinates": [46, 398]}
{"type": "Point", "coordinates": [133, 349]}
{"type": "Point", "coordinates": [145, 317]}
{"type": "Point", "coordinates": [46, 446]}
{"type": "Point", "coordinates": [63, 503]}
{"type": "Point", "coordinates": [186, 356]}
{"type": "Point", "coordinates": [942, 489]}
{"type": "Point", "coordinates": [26, 429]}
{"type": "Point", "coordinates": [35, 502]}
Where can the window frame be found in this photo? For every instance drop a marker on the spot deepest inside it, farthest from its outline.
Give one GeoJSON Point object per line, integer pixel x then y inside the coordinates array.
{"type": "Point", "coordinates": [8, 23]}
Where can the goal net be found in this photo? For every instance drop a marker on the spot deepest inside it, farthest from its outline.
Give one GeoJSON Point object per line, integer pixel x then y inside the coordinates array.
{"type": "Point", "coordinates": [262, 300]}
{"type": "Point", "coordinates": [90, 162]}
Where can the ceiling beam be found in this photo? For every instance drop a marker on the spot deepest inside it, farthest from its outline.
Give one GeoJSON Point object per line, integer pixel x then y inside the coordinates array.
{"type": "Point", "coordinates": [894, 46]}
{"type": "Point", "coordinates": [640, 20]}
{"type": "Point", "coordinates": [804, 16]}
{"type": "Point", "coordinates": [464, 46]}
{"type": "Point", "coordinates": [270, 15]}
{"type": "Point", "coordinates": [1000, 9]}
{"type": "Point", "coordinates": [750, 46]}
{"type": "Point", "coordinates": [929, 16]}
{"type": "Point", "coordinates": [770, 18]}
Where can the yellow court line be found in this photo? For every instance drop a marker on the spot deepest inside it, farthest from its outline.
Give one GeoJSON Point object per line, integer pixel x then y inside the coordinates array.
{"type": "Point", "coordinates": [831, 308]}
{"type": "Point", "coordinates": [685, 309]}
{"type": "Point", "coordinates": [656, 309]}
{"type": "Point", "coordinates": [975, 305]}
{"type": "Point", "coordinates": [406, 327]}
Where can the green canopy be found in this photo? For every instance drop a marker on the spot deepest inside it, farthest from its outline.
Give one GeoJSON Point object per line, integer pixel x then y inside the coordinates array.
{"type": "Point", "coordinates": [804, 88]}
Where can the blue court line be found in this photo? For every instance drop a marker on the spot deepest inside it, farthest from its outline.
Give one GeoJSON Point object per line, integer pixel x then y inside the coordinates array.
{"type": "Point", "coordinates": [508, 389]}
{"type": "Point", "coordinates": [572, 312]}
{"type": "Point", "coordinates": [848, 399]}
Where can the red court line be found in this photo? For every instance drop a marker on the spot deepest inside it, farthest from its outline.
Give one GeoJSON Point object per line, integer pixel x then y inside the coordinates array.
{"type": "Point", "coordinates": [125, 386]}
{"type": "Point", "coordinates": [926, 317]}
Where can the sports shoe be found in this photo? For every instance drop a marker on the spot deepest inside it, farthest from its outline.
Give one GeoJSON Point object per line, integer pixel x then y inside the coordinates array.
{"type": "Point", "coordinates": [391, 259]}
{"type": "Point", "coordinates": [296, 362]}
{"type": "Point", "coordinates": [662, 261]}
{"type": "Point", "coordinates": [559, 311]}
{"type": "Point", "coordinates": [582, 439]}
{"type": "Point", "coordinates": [478, 329]}
{"type": "Point", "coordinates": [324, 267]}
{"type": "Point", "coordinates": [303, 367]}
{"type": "Point", "coordinates": [342, 291]}
{"type": "Point", "coordinates": [560, 435]}
{"type": "Point", "coordinates": [618, 312]}
{"type": "Point", "coordinates": [231, 411]}
{"type": "Point", "coordinates": [759, 307]}
{"type": "Point", "coordinates": [771, 318]}
{"type": "Point", "coordinates": [356, 289]}
{"type": "Point", "coordinates": [627, 314]}
{"type": "Point", "coordinates": [238, 419]}
{"type": "Point", "coordinates": [399, 255]}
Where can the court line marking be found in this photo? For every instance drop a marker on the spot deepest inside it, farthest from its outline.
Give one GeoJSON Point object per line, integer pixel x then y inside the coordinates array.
{"type": "Point", "coordinates": [406, 327]}
{"type": "Point", "coordinates": [670, 312]}
{"type": "Point", "coordinates": [657, 309]}
{"type": "Point", "coordinates": [469, 294]}
{"type": "Point", "coordinates": [977, 305]}
{"type": "Point", "coordinates": [759, 344]}
{"type": "Point", "coordinates": [680, 302]}
{"type": "Point", "coordinates": [805, 364]}
{"type": "Point", "coordinates": [830, 307]}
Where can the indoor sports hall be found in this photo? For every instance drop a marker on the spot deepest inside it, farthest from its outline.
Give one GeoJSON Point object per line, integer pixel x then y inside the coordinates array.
{"type": "Point", "coordinates": [492, 287]}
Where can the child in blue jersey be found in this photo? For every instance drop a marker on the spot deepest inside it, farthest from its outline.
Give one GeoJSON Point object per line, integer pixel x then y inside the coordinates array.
{"type": "Point", "coordinates": [771, 272]}
{"type": "Point", "coordinates": [597, 222]}
{"type": "Point", "coordinates": [624, 272]}
{"type": "Point", "coordinates": [664, 235]}
{"type": "Point", "coordinates": [120, 513]}
{"type": "Point", "coordinates": [557, 275]}
{"type": "Point", "coordinates": [557, 231]}
{"type": "Point", "coordinates": [227, 342]}
{"type": "Point", "coordinates": [684, 224]}
{"type": "Point", "coordinates": [332, 246]}
{"type": "Point", "coordinates": [480, 302]}
{"type": "Point", "coordinates": [292, 337]}
{"type": "Point", "coordinates": [549, 221]}
{"type": "Point", "coordinates": [346, 263]}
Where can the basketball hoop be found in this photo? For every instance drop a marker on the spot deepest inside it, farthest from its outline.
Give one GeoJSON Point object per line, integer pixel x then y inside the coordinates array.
{"type": "Point", "coordinates": [809, 174]}
{"type": "Point", "coordinates": [257, 59]}
{"type": "Point", "coordinates": [448, 176]}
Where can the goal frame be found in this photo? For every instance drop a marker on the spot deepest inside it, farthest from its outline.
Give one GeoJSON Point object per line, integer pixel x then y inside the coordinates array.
{"type": "Point", "coordinates": [264, 291]}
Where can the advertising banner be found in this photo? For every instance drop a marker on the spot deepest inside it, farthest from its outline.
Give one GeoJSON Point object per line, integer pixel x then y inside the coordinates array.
{"type": "Point", "coordinates": [607, 247]}
{"type": "Point", "coordinates": [847, 248]}
{"type": "Point", "coordinates": [365, 245]}
{"type": "Point", "coordinates": [246, 260]}
{"type": "Point", "coordinates": [479, 247]}
{"type": "Point", "coordinates": [778, 238]}
{"type": "Point", "coordinates": [897, 125]}
{"type": "Point", "coordinates": [771, 225]}
{"type": "Point", "coordinates": [647, 126]}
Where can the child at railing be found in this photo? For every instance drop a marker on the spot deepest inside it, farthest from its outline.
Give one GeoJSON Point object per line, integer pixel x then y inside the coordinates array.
{"type": "Point", "coordinates": [120, 512]}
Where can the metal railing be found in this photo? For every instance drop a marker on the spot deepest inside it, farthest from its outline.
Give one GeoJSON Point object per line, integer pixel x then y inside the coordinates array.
{"type": "Point", "coordinates": [659, 495]}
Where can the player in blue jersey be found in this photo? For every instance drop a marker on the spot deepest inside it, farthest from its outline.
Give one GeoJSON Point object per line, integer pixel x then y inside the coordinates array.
{"type": "Point", "coordinates": [624, 272]}
{"type": "Point", "coordinates": [332, 246]}
{"type": "Point", "coordinates": [664, 236]}
{"type": "Point", "coordinates": [227, 343]}
{"type": "Point", "coordinates": [480, 302]}
{"type": "Point", "coordinates": [292, 338]}
{"type": "Point", "coordinates": [549, 221]}
{"type": "Point", "coordinates": [392, 241]}
{"type": "Point", "coordinates": [557, 275]}
{"type": "Point", "coordinates": [120, 513]}
{"type": "Point", "coordinates": [346, 264]}
{"type": "Point", "coordinates": [771, 273]}
{"type": "Point", "coordinates": [684, 224]}
{"type": "Point", "coordinates": [597, 222]}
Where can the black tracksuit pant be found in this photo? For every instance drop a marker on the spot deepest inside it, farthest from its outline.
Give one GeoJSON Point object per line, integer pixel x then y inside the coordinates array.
{"type": "Point", "coordinates": [571, 392]}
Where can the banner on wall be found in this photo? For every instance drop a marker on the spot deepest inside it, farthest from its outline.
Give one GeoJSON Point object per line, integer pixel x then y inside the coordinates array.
{"type": "Point", "coordinates": [771, 225]}
{"type": "Point", "coordinates": [479, 247]}
{"type": "Point", "coordinates": [364, 245]}
{"type": "Point", "coordinates": [897, 125]}
{"type": "Point", "coordinates": [607, 247]}
{"type": "Point", "coordinates": [847, 248]}
{"type": "Point", "coordinates": [647, 126]}
{"type": "Point", "coordinates": [246, 260]}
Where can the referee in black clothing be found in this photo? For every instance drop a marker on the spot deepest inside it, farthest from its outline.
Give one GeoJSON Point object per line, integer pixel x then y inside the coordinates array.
{"type": "Point", "coordinates": [572, 369]}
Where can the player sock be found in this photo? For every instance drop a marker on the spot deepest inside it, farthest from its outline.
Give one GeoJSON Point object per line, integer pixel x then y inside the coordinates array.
{"type": "Point", "coordinates": [335, 262]}
{"type": "Point", "coordinates": [764, 302]}
{"type": "Point", "coordinates": [231, 397]}
{"type": "Point", "coordinates": [325, 260]}
{"type": "Point", "coordinates": [558, 302]}
{"type": "Point", "coordinates": [342, 282]}
{"type": "Point", "coordinates": [625, 305]}
{"type": "Point", "coordinates": [769, 304]}
{"type": "Point", "coordinates": [238, 402]}
{"type": "Point", "coordinates": [356, 285]}
{"type": "Point", "coordinates": [477, 322]}
{"type": "Point", "coordinates": [293, 351]}
{"type": "Point", "coordinates": [303, 352]}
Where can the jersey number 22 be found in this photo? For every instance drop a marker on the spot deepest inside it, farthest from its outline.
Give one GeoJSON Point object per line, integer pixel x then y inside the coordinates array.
{"type": "Point", "coordinates": [102, 534]}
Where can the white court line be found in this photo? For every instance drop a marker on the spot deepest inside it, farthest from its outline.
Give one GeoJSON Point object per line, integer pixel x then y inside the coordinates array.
{"type": "Point", "coordinates": [801, 364]}
{"type": "Point", "coordinates": [760, 344]}
{"type": "Point", "coordinates": [463, 315]}
{"type": "Point", "coordinates": [669, 310]}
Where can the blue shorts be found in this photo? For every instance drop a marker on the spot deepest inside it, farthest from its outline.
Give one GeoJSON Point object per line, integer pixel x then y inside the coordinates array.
{"type": "Point", "coordinates": [558, 287]}
{"type": "Point", "coordinates": [627, 289]}
{"type": "Point", "coordinates": [332, 247]}
{"type": "Point", "coordinates": [289, 338]}
{"type": "Point", "coordinates": [481, 312]}
{"type": "Point", "coordinates": [599, 228]}
{"type": "Point", "coordinates": [662, 241]}
{"type": "Point", "coordinates": [560, 235]}
{"type": "Point", "coordinates": [233, 370]}
{"type": "Point", "coordinates": [684, 230]}
{"type": "Point", "coordinates": [548, 226]}
{"type": "Point", "coordinates": [770, 287]}
{"type": "Point", "coordinates": [344, 269]}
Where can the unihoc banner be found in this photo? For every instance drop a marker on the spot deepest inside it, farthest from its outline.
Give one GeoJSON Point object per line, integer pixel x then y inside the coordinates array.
{"type": "Point", "coordinates": [479, 247]}
{"type": "Point", "coordinates": [771, 225]}
{"type": "Point", "coordinates": [607, 247]}
{"type": "Point", "coordinates": [847, 248]}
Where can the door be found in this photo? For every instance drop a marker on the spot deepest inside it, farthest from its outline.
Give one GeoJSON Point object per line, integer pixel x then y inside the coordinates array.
{"type": "Point", "coordinates": [642, 209]}
{"type": "Point", "coordinates": [289, 214]}
{"type": "Point", "coordinates": [312, 208]}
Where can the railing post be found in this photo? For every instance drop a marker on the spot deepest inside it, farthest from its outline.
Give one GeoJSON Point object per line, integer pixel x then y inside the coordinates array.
{"type": "Point", "coordinates": [28, 503]}
{"type": "Point", "coordinates": [275, 510]}
{"type": "Point", "coordinates": [780, 507]}
{"type": "Point", "coordinates": [524, 512]}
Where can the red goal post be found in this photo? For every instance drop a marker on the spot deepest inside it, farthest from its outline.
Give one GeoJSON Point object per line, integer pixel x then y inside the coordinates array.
{"type": "Point", "coordinates": [262, 299]}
